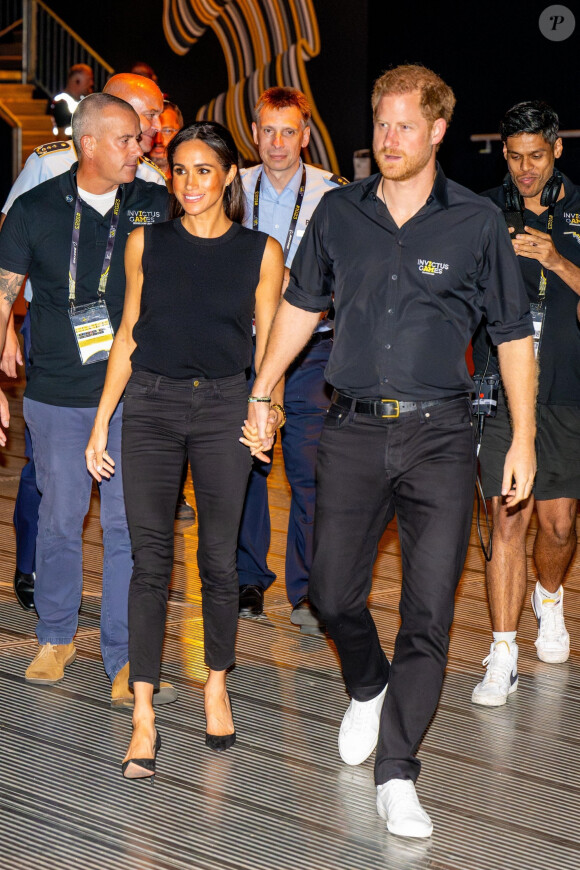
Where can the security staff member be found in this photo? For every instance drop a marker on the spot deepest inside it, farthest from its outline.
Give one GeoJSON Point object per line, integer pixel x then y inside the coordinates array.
{"type": "Point", "coordinates": [413, 260]}
{"type": "Point", "coordinates": [46, 162]}
{"type": "Point", "coordinates": [80, 82]}
{"type": "Point", "coordinates": [549, 259]}
{"type": "Point", "coordinates": [282, 193]}
{"type": "Point", "coordinates": [69, 234]}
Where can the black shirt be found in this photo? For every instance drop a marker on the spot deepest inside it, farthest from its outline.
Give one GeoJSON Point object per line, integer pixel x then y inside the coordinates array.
{"type": "Point", "coordinates": [197, 302]}
{"type": "Point", "coordinates": [36, 238]}
{"type": "Point", "coordinates": [559, 354]}
{"type": "Point", "coordinates": [408, 299]}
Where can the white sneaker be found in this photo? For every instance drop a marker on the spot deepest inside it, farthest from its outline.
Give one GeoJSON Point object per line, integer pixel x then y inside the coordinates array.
{"type": "Point", "coordinates": [501, 677]}
{"type": "Point", "coordinates": [359, 731]}
{"type": "Point", "coordinates": [398, 805]}
{"type": "Point", "coordinates": [553, 641]}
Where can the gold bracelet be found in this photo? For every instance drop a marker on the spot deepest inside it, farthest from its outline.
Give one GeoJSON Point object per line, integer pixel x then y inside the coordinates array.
{"type": "Point", "coordinates": [280, 408]}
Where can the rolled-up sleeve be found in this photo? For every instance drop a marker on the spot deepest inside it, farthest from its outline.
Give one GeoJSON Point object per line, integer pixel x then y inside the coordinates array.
{"type": "Point", "coordinates": [311, 275]}
{"type": "Point", "coordinates": [504, 298]}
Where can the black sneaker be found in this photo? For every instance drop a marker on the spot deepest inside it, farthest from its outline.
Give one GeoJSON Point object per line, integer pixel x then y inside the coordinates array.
{"type": "Point", "coordinates": [306, 616]}
{"type": "Point", "coordinates": [251, 602]}
{"type": "Point", "coordinates": [184, 511]}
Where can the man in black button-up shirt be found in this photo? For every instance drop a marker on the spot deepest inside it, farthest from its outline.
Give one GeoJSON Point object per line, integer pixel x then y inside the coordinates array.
{"type": "Point", "coordinates": [412, 261]}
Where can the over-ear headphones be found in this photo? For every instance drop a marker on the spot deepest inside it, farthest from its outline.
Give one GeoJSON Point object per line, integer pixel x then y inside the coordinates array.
{"type": "Point", "coordinates": [551, 190]}
{"type": "Point", "coordinates": [514, 201]}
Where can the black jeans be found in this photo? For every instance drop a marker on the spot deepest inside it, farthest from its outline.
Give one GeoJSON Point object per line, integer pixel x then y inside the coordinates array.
{"type": "Point", "coordinates": [421, 467]}
{"type": "Point", "coordinates": [166, 421]}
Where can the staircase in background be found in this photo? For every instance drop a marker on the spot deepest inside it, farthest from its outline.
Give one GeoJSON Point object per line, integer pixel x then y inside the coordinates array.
{"type": "Point", "coordinates": [37, 49]}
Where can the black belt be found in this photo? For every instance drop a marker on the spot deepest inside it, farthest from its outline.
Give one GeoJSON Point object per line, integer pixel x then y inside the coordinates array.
{"type": "Point", "coordinates": [323, 335]}
{"type": "Point", "coordinates": [387, 409]}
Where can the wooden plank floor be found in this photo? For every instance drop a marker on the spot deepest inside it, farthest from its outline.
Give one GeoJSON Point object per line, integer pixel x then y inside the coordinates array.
{"type": "Point", "coordinates": [502, 786]}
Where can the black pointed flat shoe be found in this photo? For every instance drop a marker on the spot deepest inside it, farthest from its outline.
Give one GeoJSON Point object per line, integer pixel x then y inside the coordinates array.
{"type": "Point", "coordinates": [143, 768]}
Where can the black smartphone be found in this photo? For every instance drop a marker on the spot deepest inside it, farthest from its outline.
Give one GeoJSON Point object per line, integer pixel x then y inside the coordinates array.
{"type": "Point", "coordinates": [514, 219]}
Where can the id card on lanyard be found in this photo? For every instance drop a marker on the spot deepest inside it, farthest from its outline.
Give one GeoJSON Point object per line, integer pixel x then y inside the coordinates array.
{"type": "Point", "coordinates": [91, 323]}
{"type": "Point", "coordinates": [538, 309]}
{"type": "Point", "coordinates": [295, 211]}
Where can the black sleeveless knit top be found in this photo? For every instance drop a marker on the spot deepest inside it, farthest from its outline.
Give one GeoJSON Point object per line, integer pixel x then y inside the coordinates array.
{"type": "Point", "coordinates": [197, 302]}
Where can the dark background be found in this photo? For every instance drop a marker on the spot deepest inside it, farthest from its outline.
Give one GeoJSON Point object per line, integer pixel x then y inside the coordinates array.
{"type": "Point", "coordinates": [492, 54]}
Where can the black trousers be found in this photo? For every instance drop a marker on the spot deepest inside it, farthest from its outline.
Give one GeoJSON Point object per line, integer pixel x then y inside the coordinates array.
{"type": "Point", "coordinates": [166, 421]}
{"type": "Point", "coordinates": [421, 467]}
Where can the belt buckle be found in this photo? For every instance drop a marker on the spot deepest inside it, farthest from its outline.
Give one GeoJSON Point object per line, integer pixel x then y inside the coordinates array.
{"type": "Point", "coordinates": [390, 402]}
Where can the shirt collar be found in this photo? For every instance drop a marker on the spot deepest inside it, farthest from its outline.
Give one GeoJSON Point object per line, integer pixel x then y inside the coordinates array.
{"type": "Point", "coordinates": [438, 191]}
{"type": "Point", "coordinates": [68, 185]}
{"type": "Point", "coordinates": [293, 185]}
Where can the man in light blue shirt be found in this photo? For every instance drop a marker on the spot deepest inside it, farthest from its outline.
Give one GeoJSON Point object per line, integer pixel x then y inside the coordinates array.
{"type": "Point", "coordinates": [281, 195]}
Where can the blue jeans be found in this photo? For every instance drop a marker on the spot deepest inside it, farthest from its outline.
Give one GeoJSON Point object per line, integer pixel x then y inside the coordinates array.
{"type": "Point", "coordinates": [59, 437]}
{"type": "Point", "coordinates": [28, 497]}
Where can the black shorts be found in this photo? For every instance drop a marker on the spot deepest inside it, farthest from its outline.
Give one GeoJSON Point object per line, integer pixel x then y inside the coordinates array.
{"type": "Point", "coordinates": [557, 450]}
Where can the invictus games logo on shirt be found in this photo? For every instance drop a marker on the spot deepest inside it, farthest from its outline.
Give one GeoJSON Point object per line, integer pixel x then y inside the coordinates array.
{"type": "Point", "coordinates": [572, 218]}
{"type": "Point", "coordinates": [573, 221]}
{"type": "Point", "coordinates": [143, 217]}
{"type": "Point", "coordinates": [430, 267]}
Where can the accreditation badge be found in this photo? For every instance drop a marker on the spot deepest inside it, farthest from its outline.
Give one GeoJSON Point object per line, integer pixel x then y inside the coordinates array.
{"type": "Point", "coordinates": [93, 331]}
{"type": "Point", "coordinates": [538, 314]}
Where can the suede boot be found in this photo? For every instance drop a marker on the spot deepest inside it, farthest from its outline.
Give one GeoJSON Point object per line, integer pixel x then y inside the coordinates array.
{"type": "Point", "coordinates": [122, 694]}
{"type": "Point", "coordinates": [49, 663]}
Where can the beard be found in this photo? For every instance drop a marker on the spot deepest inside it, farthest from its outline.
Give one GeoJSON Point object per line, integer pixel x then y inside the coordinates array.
{"type": "Point", "coordinates": [407, 167]}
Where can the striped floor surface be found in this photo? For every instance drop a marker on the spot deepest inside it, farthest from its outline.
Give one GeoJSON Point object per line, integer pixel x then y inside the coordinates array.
{"type": "Point", "coordinates": [501, 785]}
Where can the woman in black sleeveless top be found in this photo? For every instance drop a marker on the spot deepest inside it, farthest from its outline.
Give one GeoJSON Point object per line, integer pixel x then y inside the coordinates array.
{"type": "Point", "coordinates": [180, 357]}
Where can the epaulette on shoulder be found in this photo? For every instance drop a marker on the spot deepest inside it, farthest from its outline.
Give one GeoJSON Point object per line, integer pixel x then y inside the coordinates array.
{"type": "Point", "coordinates": [51, 147]}
{"type": "Point", "coordinates": [154, 166]}
{"type": "Point", "coordinates": [339, 179]}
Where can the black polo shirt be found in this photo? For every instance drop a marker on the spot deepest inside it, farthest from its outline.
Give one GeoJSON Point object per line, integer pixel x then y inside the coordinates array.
{"type": "Point", "coordinates": [559, 355]}
{"type": "Point", "coordinates": [408, 299]}
{"type": "Point", "coordinates": [36, 238]}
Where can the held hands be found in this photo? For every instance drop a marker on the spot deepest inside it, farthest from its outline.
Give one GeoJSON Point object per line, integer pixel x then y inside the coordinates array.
{"type": "Point", "coordinates": [4, 418]}
{"type": "Point", "coordinates": [265, 419]}
{"type": "Point", "coordinates": [99, 463]}
{"type": "Point", "coordinates": [536, 245]}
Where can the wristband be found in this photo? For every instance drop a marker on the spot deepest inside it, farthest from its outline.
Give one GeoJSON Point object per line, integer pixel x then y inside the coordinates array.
{"type": "Point", "coordinates": [259, 398]}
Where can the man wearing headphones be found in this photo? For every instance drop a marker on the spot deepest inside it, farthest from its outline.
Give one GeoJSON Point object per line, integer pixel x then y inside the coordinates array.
{"type": "Point", "coordinates": [547, 244]}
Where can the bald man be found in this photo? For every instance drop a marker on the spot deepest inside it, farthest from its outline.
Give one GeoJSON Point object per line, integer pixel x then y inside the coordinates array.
{"type": "Point", "coordinates": [46, 162]}
{"type": "Point", "coordinates": [69, 234]}
{"type": "Point", "coordinates": [80, 82]}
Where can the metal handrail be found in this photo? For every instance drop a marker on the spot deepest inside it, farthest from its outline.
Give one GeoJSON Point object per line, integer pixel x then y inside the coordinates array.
{"type": "Point", "coordinates": [12, 26]}
{"type": "Point", "coordinates": [10, 12]}
{"type": "Point", "coordinates": [53, 47]}
{"type": "Point", "coordinates": [16, 125]}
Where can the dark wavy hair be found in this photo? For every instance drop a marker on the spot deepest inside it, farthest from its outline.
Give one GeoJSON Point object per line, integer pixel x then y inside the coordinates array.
{"type": "Point", "coordinates": [221, 142]}
{"type": "Point", "coordinates": [532, 116]}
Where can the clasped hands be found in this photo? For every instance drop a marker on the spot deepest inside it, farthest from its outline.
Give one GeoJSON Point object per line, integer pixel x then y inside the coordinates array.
{"type": "Point", "coordinates": [251, 430]}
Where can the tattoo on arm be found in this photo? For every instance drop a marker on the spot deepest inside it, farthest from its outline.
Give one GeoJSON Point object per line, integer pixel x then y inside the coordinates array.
{"type": "Point", "coordinates": [10, 284]}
